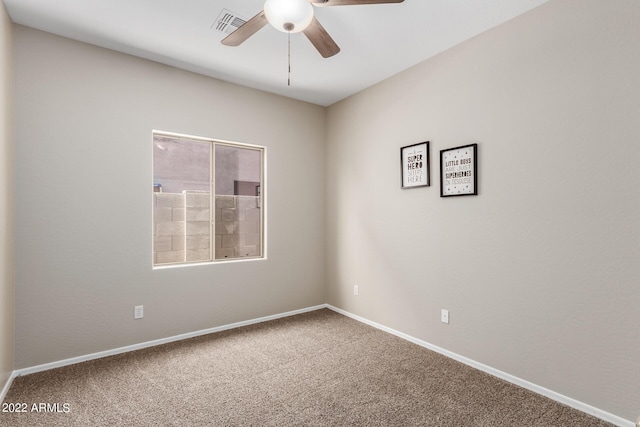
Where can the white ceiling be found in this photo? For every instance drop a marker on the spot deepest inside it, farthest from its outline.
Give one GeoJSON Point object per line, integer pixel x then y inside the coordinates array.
{"type": "Point", "coordinates": [376, 41]}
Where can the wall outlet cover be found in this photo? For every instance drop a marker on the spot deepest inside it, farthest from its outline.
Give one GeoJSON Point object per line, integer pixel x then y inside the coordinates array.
{"type": "Point", "coordinates": [444, 316]}
{"type": "Point", "coordinates": [138, 312]}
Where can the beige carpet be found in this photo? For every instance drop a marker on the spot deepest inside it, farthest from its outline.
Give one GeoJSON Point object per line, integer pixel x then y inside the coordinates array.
{"type": "Point", "coordinates": [314, 369]}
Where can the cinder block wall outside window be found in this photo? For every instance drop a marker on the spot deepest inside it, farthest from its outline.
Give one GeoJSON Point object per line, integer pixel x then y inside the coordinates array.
{"type": "Point", "coordinates": [182, 227]}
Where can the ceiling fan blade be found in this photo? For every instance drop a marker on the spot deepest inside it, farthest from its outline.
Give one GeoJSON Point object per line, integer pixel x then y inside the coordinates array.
{"type": "Point", "coordinates": [351, 2]}
{"type": "Point", "coordinates": [319, 37]}
{"type": "Point", "coordinates": [246, 30]}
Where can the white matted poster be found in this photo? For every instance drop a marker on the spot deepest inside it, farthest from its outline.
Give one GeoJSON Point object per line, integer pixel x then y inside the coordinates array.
{"type": "Point", "coordinates": [414, 165]}
{"type": "Point", "coordinates": [459, 171]}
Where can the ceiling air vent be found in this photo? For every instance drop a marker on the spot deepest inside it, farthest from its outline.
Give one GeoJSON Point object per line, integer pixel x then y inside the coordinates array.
{"type": "Point", "coordinates": [227, 22]}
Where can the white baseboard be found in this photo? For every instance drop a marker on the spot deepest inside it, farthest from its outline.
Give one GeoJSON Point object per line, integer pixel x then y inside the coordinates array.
{"type": "Point", "coordinates": [74, 360]}
{"type": "Point", "coordinates": [6, 387]}
{"type": "Point", "coordinates": [603, 415]}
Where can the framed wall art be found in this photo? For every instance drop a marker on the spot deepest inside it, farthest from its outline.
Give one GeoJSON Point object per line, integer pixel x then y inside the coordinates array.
{"type": "Point", "coordinates": [414, 165]}
{"type": "Point", "coordinates": [459, 171]}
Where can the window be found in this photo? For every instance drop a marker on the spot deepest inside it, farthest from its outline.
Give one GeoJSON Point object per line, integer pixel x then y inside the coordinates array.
{"type": "Point", "coordinates": [207, 200]}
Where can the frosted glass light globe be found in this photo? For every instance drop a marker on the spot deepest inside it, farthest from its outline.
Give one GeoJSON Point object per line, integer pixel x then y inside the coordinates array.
{"type": "Point", "coordinates": [289, 15]}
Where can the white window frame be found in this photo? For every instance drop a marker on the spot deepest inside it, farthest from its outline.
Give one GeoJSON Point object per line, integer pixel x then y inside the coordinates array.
{"type": "Point", "coordinates": [212, 221]}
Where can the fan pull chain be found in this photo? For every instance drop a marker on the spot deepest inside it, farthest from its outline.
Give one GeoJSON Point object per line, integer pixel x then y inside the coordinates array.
{"type": "Point", "coordinates": [289, 53]}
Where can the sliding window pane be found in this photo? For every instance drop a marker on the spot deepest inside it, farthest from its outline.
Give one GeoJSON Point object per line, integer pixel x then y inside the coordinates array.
{"type": "Point", "coordinates": [182, 200]}
{"type": "Point", "coordinates": [238, 200]}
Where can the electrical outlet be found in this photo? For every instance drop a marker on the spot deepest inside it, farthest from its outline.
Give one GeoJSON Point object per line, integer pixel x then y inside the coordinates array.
{"type": "Point", "coordinates": [444, 316]}
{"type": "Point", "coordinates": [138, 312]}
{"type": "Point", "coordinates": [356, 290]}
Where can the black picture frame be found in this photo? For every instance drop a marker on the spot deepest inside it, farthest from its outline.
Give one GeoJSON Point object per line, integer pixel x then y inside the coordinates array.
{"type": "Point", "coordinates": [459, 171]}
{"type": "Point", "coordinates": [415, 168]}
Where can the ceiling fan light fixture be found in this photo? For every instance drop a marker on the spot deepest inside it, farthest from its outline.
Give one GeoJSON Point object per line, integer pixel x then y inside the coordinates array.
{"type": "Point", "coordinates": [289, 16]}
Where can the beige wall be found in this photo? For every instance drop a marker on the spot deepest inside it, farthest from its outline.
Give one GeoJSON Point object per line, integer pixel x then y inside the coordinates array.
{"type": "Point", "coordinates": [6, 199]}
{"type": "Point", "coordinates": [540, 272]}
{"type": "Point", "coordinates": [84, 117]}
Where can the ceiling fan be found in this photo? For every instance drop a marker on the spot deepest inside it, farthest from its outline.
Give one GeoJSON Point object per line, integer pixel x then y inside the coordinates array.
{"type": "Point", "coordinates": [293, 16]}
